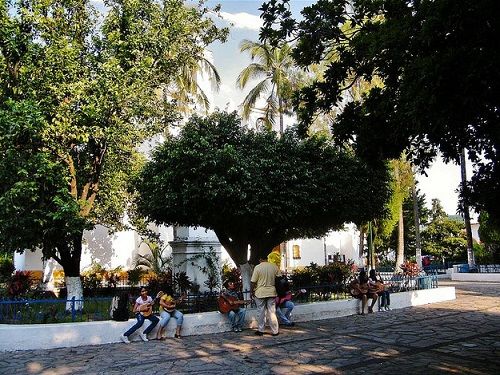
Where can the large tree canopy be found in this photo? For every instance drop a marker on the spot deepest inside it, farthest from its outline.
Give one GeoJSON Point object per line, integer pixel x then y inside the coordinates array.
{"type": "Point", "coordinates": [255, 188]}
{"type": "Point", "coordinates": [438, 61]}
{"type": "Point", "coordinates": [78, 96]}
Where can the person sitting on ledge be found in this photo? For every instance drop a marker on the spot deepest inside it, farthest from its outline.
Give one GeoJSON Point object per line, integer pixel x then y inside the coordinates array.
{"type": "Point", "coordinates": [359, 289]}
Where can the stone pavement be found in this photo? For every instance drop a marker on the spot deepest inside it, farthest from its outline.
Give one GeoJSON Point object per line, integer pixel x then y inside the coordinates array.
{"type": "Point", "coordinates": [454, 337]}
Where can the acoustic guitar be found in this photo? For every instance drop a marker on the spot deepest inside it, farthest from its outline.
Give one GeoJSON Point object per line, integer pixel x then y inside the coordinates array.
{"type": "Point", "coordinates": [358, 289]}
{"type": "Point", "coordinates": [289, 296]}
{"type": "Point", "coordinates": [147, 309]}
{"type": "Point", "coordinates": [379, 287]}
{"type": "Point", "coordinates": [171, 305]}
{"type": "Point", "coordinates": [228, 303]}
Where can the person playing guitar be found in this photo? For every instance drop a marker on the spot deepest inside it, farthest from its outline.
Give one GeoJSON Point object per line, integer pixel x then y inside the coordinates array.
{"type": "Point", "coordinates": [231, 304]}
{"type": "Point", "coordinates": [167, 310]}
{"type": "Point", "coordinates": [284, 304]}
{"type": "Point", "coordinates": [143, 309]}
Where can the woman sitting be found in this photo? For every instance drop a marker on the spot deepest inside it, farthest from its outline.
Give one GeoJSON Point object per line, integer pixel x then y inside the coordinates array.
{"type": "Point", "coordinates": [168, 310]}
{"type": "Point", "coordinates": [360, 290]}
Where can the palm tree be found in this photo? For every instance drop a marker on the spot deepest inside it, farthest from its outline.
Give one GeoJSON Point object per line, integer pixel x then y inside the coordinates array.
{"type": "Point", "coordinates": [186, 89]}
{"type": "Point", "coordinates": [403, 180]}
{"type": "Point", "coordinates": [156, 261]}
{"type": "Point", "coordinates": [276, 68]}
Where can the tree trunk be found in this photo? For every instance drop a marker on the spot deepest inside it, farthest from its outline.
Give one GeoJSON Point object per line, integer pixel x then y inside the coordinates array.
{"type": "Point", "coordinates": [470, 245]}
{"type": "Point", "coordinates": [400, 256]}
{"type": "Point", "coordinates": [74, 289]}
{"type": "Point", "coordinates": [282, 129]}
{"type": "Point", "coordinates": [70, 253]}
{"type": "Point", "coordinates": [246, 274]}
{"type": "Point", "coordinates": [416, 217]}
{"type": "Point", "coordinates": [361, 241]}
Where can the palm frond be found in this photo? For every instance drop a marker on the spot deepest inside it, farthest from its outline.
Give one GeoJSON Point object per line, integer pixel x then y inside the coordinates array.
{"type": "Point", "coordinates": [250, 72]}
{"type": "Point", "coordinates": [254, 94]}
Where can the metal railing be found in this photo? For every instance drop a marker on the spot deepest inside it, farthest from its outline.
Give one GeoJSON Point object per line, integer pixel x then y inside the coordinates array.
{"type": "Point", "coordinates": [33, 311]}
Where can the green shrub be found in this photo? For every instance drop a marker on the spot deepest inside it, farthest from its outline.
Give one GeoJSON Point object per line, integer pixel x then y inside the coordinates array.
{"type": "Point", "coordinates": [6, 268]}
{"type": "Point", "coordinates": [19, 284]}
{"type": "Point", "coordinates": [135, 275]}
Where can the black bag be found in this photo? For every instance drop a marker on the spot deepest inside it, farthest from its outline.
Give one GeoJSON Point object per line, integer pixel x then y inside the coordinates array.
{"type": "Point", "coordinates": [119, 309]}
{"type": "Point", "coordinates": [282, 285]}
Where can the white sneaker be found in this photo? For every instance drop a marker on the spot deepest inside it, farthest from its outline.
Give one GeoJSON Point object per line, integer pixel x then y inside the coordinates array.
{"type": "Point", "coordinates": [125, 339]}
{"type": "Point", "coordinates": [144, 337]}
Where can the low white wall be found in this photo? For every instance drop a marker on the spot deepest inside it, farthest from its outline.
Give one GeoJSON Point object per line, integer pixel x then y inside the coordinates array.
{"type": "Point", "coordinates": [491, 277]}
{"type": "Point", "coordinates": [48, 336]}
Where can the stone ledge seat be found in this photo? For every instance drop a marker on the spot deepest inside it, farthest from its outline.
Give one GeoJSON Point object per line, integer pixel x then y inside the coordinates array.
{"type": "Point", "coordinates": [48, 336]}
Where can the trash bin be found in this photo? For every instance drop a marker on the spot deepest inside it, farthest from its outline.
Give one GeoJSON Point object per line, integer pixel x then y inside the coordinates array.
{"type": "Point", "coordinates": [462, 268]}
{"type": "Point", "coordinates": [424, 282]}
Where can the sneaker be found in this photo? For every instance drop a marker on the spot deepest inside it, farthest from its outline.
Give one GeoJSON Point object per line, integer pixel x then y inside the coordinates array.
{"type": "Point", "coordinates": [259, 333]}
{"type": "Point", "coordinates": [144, 337]}
{"type": "Point", "coordinates": [125, 339]}
{"type": "Point", "coordinates": [388, 308]}
{"type": "Point", "coordinates": [275, 334]}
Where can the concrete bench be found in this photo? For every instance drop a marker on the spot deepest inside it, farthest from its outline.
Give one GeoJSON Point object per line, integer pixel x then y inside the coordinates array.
{"type": "Point", "coordinates": [47, 336]}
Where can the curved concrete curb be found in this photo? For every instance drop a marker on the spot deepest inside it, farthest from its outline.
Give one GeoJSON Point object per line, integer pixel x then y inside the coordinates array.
{"type": "Point", "coordinates": [48, 336]}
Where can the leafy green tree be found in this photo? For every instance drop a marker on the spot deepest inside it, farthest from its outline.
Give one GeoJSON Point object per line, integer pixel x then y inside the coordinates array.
{"type": "Point", "coordinates": [390, 243]}
{"type": "Point", "coordinates": [444, 237]}
{"type": "Point", "coordinates": [275, 67]}
{"type": "Point", "coordinates": [438, 62]}
{"type": "Point", "coordinates": [79, 95]}
{"type": "Point", "coordinates": [254, 188]}
{"type": "Point", "coordinates": [490, 237]}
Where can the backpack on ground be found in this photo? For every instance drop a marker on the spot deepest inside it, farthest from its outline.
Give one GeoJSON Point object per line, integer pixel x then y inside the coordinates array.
{"type": "Point", "coordinates": [119, 309]}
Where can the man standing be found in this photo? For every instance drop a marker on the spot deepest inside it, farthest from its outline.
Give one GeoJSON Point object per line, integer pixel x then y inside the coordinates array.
{"type": "Point", "coordinates": [264, 293]}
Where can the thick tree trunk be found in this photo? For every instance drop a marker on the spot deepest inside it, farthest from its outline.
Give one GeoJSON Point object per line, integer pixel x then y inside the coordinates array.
{"type": "Point", "coordinates": [246, 274]}
{"type": "Point", "coordinates": [74, 288]}
{"type": "Point", "coordinates": [70, 253]}
{"type": "Point", "coordinates": [400, 257]}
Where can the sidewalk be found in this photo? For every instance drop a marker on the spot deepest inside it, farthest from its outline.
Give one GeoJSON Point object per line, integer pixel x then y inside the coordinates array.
{"type": "Point", "coordinates": [460, 336]}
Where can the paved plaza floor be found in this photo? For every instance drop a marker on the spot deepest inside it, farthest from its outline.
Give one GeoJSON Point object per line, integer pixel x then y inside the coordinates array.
{"type": "Point", "coordinates": [455, 337]}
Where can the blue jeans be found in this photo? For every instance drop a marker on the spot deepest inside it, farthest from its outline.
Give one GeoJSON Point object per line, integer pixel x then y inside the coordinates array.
{"type": "Point", "coordinates": [140, 321]}
{"type": "Point", "coordinates": [165, 317]}
{"type": "Point", "coordinates": [286, 316]}
{"type": "Point", "coordinates": [386, 298]}
{"type": "Point", "coordinates": [237, 318]}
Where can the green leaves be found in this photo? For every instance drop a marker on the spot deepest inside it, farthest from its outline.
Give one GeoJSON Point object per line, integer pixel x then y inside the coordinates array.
{"type": "Point", "coordinates": [438, 64]}
{"type": "Point", "coordinates": [254, 187]}
{"type": "Point", "coordinates": [79, 96]}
